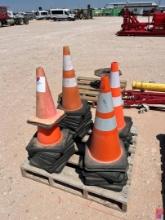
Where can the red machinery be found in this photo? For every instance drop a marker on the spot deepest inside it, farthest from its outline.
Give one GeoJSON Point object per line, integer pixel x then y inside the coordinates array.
{"type": "Point", "coordinates": [132, 27]}
{"type": "Point", "coordinates": [3, 13]}
{"type": "Point", "coordinates": [137, 97]}
{"type": "Point", "coordinates": [8, 18]}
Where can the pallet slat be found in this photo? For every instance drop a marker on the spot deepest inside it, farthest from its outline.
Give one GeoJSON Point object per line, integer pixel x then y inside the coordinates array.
{"type": "Point", "coordinates": [87, 78]}
{"type": "Point", "coordinates": [89, 93]}
{"type": "Point", "coordinates": [88, 87]}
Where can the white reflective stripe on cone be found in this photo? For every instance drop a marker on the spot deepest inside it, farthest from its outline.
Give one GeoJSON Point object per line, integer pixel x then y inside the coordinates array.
{"type": "Point", "coordinates": [107, 124]}
{"type": "Point", "coordinates": [105, 103]}
{"type": "Point", "coordinates": [41, 84]}
{"type": "Point", "coordinates": [117, 101]}
{"type": "Point", "coordinates": [114, 80]}
{"type": "Point", "coordinates": [67, 63]}
{"type": "Point", "coordinates": [69, 82]}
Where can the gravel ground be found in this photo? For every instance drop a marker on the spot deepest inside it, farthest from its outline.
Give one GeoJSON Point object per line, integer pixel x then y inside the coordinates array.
{"type": "Point", "coordinates": [93, 45]}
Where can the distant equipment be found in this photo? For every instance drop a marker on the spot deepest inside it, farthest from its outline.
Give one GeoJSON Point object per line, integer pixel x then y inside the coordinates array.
{"type": "Point", "coordinates": [61, 14]}
{"type": "Point", "coordinates": [42, 14]}
{"type": "Point", "coordinates": [84, 13]}
{"type": "Point", "coordinates": [8, 18]}
{"type": "Point", "coordinates": [132, 27]}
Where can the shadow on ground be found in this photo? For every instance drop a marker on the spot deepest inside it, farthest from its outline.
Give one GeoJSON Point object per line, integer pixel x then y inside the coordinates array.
{"type": "Point", "coordinates": [161, 138]}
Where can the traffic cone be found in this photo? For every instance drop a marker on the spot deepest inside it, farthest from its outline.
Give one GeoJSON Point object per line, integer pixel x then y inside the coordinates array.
{"type": "Point", "coordinates": [78, 115]}
{"type": "Point", "coordinates": [71, 100]}
{"type": "Point", "coordinates": [124, 124]}
{"type": "Point", "coordinates": [116, 95]}
{"type": "Point", "coordinates": [47, 115]}
{"type": "Point", "coordinates": [105, 161]}
{"type": "Point", "coordinates": [50, 148]}
{"type": "Point", "coordinates": [105, 144]}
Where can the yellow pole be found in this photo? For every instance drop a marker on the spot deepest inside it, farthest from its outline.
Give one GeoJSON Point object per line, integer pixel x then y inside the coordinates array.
{"type": "Point", "coordinates": [160, 87]}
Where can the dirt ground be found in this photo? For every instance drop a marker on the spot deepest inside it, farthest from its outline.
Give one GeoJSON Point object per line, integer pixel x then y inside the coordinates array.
{"type": "Point", "coordinates": [93, 45]}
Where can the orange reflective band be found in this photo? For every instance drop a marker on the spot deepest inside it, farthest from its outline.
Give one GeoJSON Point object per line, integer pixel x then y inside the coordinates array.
{"type": "Point", "coordinates": [116, 92]}
{"type": "Point", "coordinates": [69, 74]}
{"type": "Point", "coordinates": [105, 115]}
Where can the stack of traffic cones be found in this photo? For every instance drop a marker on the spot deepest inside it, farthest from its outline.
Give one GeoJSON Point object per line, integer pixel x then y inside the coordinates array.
{"type": "Point", "coordinates": [124, 124]}
{"type": "Point", "coordinates": [105, 162]}
{"type": "Point", "coordinates": [51, 146]}
{"type": "Point", "coordinates": [78, 115]}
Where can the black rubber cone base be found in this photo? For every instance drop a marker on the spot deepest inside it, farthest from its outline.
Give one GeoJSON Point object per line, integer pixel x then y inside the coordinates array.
{"type": "Point", "coordinates": [126, 130]}
{"type": "Point", "coordinates": [120, 165]}
{"type": "Point", "coordinates": [54, 158]}
{"type": "Point", "coordinates": [125, 133]}
{"type": "Point", "coordinates": [109, 180]}
{"type": "Point", "coordinates": [79, 121]}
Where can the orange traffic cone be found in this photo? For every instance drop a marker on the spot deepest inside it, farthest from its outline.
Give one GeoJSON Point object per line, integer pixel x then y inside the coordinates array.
{"type": "Point", "coordinates": [71, 100]}
{"type": "Point", "coordinates": [116, 95]}
{"type": "Point", "coordinates": [105, 144]}
{"type": "Point", "coordinates": [47, 115]}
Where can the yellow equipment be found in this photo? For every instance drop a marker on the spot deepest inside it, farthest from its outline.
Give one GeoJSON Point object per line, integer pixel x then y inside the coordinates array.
{"type": "Point", "coordinates": [160, 87]}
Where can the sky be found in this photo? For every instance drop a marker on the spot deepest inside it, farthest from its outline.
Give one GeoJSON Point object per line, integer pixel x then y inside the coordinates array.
{"type": "Point", "coordinates": [46, 4]}
{"type": "Point", "coordinates": [28, 5]}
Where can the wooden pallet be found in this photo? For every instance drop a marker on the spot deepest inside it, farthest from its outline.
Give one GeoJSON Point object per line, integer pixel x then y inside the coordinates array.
{"type": "Point", "coordinates": [90, 93]}
{"type": "Point", "coordinates": [68, 180]}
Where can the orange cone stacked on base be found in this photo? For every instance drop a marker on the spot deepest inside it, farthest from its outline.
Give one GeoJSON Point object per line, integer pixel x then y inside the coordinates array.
{"type": "Point", "coordinates": [105, 144]}
{"type": "Point", "coordinates": [51, 147]}
{"type": "Point", "coordinates": [78, 115]}
{"type": "Point", "coordinates": [46, 113]}
{"type": "Point", "coordinates": [124, 123]}
{"type": "Point", "coordinates": [71, 100]}
{"type": "Point", "coordinates": [105, 161]}
{"type": "Point", "coordinates": [116, 95]}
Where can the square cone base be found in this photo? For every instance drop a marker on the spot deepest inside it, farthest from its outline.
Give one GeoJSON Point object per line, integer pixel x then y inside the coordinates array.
{"type": "Point", "coordinates": [108, 180]}
{"type": "Point", "coordinates": [58, 165]}
{"type": "Point", "coordinates": [51, 158]}
{"type": "Point", "coordinates": [47, 123]}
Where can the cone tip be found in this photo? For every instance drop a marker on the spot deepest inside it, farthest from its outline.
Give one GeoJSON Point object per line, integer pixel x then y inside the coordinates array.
{"type": "Point", "coordinates": [114, 66]}
{"type": "Point", "coordinates": [105, 85]}
{"type": "Point", "coordinates": [40, 71]}
{"type": "Point", "coordinates": [66, 50]}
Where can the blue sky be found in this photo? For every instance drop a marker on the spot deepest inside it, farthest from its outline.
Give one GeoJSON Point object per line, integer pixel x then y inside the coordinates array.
{"type": "Point", "coordinates": [33, 4]}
